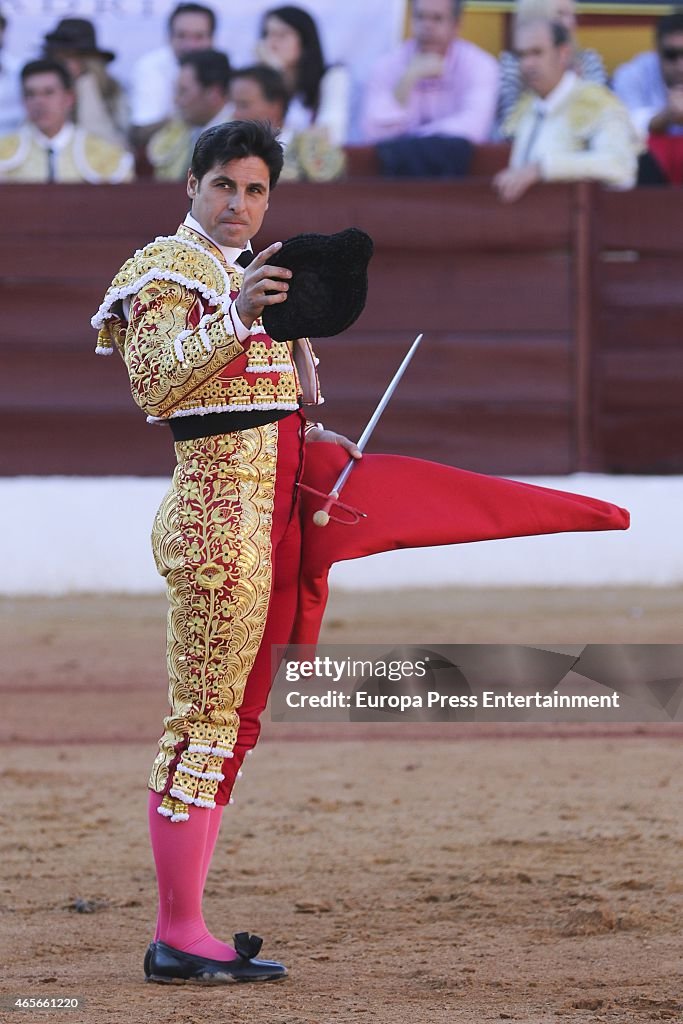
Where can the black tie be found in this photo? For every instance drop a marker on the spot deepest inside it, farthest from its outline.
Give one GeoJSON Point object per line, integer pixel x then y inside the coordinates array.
{"type": "Point", "coordinates": [51, 176]}
{"type": "Point", "coordinates": [245, 258]}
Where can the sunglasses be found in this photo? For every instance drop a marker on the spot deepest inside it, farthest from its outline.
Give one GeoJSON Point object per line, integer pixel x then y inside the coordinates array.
{"type": "Point", "coordinates": [671, 53]}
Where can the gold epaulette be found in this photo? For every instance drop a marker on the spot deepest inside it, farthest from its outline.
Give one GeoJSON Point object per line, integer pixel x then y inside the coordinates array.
{"type": "Point", "coordinates": [107, 161]}
{"type": "Point", "coordinates": [588, 103]}
{"type": "Point", "coordinates": [9, 146]}
{"type": "Point", "coordinates": [167, 258]}
{"type": "Point", "coordinates": [169, 151]}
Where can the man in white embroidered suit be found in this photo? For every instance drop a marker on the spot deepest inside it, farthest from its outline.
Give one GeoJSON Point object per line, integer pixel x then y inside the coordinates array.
{"type": "Point", "coordinates": [564, 129]}
{"type": "Point", "coordinates": [49, 147]}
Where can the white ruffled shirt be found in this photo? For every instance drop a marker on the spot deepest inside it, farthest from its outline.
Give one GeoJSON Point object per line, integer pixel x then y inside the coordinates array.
{"type": "Point", "coordinates": [58, 142]}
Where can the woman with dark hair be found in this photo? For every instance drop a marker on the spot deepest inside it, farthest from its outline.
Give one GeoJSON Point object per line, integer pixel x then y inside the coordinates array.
{"type": "Point", "coordinates": [320, 95]}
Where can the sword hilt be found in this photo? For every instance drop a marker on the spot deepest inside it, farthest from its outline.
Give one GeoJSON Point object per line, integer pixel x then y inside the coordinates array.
{"type": "Point", "coordinates": [323, 516]}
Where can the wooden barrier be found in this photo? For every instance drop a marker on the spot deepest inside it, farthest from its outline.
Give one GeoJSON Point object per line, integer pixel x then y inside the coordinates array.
{"type": "Point", "coordinates": [487, 159]}
{"type": "Point", "coordinates": [636, 307]}
{"type": "Point", "coordinates": [537, 356]}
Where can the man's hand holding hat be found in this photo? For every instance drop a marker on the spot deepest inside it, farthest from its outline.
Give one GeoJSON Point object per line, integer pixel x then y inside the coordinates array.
{"type": "Point", "coordinates": [325, 278]}
{"type": "Point", "coordinates": [262, 285]}
{"type": "Point", "coordinates": [329, 285]}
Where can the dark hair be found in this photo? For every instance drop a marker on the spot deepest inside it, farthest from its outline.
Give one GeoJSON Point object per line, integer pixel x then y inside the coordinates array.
{"type": "Point", "coordinates": [456, 7]}
{"type": "Point", "coordinates": [271, 82]}
{"type": "Point", "coordinates": [560, 34]}
{"type": "Point", "coordinates": [234, 140]}
{"type": "Point", "coordinates": [212, 67]}
{"type": "Point", "coordinates": [311, 66]}
{"type": "Point", "coordinates": [47, 67]}
{"type": "Point", "coordinates": [192, 9]}
{"type": "Point", "coordinates": [669, 24]}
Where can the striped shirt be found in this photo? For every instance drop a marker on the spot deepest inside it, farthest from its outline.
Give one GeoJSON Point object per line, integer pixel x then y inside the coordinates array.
{"type": "Point", "coordinates": [588, 65]}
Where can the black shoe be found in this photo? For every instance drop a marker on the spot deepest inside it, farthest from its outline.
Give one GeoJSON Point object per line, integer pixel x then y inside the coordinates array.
{"type": "Point", "coordinates": [165, 964]}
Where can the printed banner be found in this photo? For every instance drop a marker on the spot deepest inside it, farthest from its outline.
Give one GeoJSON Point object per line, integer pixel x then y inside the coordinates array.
{"type": "Point", "coordinates": [479, 683]}
{"type": "Point", "coordinates": [355, 32]}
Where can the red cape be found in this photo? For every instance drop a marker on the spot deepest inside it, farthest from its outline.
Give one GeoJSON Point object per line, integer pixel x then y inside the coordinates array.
{"type": "Point", "coordinates": [412, 503]}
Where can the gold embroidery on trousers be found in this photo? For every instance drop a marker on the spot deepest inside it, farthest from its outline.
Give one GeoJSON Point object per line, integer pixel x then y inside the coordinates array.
{"type": "Point", "coordinates": [211, 541]}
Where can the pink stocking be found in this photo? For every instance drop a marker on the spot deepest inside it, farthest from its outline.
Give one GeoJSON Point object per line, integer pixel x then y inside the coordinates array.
{"type": "Point", "coordinates": [215, 816]}
{"type": "Point", "coordinates": [182, 854]}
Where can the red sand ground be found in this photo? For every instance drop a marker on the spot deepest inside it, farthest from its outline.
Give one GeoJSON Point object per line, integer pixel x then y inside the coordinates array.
{"type": "Point", "coordinates": [433, 876]}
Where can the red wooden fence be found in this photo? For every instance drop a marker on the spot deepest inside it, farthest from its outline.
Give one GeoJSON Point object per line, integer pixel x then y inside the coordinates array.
{"type": "Point", "coordinates": [552, 327]}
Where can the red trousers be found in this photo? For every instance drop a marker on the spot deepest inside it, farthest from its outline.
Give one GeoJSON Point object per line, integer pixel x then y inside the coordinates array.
{"type": "Point", "coordinates": [285, 541]}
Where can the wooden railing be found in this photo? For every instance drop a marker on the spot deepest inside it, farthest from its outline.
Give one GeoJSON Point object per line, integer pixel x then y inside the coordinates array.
{"type": "Point", "coordinates": [553, 337]}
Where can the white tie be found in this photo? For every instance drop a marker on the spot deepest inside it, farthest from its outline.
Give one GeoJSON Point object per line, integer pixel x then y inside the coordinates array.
{"type": "Point", "coordinates": [533, 135]}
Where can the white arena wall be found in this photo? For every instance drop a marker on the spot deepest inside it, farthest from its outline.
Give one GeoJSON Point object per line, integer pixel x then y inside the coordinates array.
{"type": "Point", "coordinates": [62, 535]}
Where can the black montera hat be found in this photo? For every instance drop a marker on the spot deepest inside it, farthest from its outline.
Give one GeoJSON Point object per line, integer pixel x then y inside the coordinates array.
{"type": "Point", "coordinates": [328, 288]}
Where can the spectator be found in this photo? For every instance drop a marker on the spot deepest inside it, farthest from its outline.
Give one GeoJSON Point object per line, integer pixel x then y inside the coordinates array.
{"type": "Point", "coordinates": [202, 101]}
{"type": "Point", "coordinates": [651, 86]}
{"type": "Point", "coordinates": [101, 104]}
{"type": "Point", "coordinates": [48, 147]}
{"type": "Point", "coordinates": [259, 93]}
{"type": "Point", "coordinates": [435, 84]}
{"type": "Point", "coordinates": [11, 110]}
{"type": "Point", "coordinates": [566, 129]}
{"type": "Point", "coordinates": [190, 27]}
{"type": "Point", "coordinates": [587, 64]}
{"type": "Point", "coordinates": [319, 95]}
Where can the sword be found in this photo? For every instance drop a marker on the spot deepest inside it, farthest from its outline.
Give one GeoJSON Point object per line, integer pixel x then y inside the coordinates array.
{"type": "Point", "coordinates": [322, 516]}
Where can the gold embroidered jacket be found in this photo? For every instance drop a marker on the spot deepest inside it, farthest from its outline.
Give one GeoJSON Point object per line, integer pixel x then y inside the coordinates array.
{"type": "Point", "coordinates": [587, 136]}
{"type": "Point", "coordinates": [84, 158]}
{"type": "Point", "coordinates": [168, 311]}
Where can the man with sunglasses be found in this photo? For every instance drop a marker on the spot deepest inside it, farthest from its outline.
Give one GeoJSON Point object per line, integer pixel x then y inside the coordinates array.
{"type": "Point", "coordinates": [651, 86]}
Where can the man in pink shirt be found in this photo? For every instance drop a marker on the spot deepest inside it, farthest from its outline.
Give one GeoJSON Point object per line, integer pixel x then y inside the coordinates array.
{"type": "Point", "coordinates": [434, 84]}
